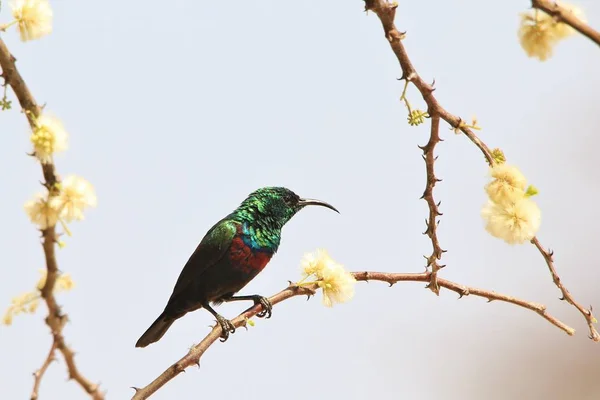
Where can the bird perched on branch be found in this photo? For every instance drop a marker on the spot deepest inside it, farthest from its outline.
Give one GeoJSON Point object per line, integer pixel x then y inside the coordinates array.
{"type": "Point", "coordinates": [231, 254]}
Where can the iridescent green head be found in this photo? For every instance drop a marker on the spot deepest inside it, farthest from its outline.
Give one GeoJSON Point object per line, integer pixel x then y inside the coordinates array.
{"type": "Point", "coordinates": [274, 206]}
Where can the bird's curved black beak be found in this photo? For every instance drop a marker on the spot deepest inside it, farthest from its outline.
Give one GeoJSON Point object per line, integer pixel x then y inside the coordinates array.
{"type": "Point", "coordinates": [314, 202]}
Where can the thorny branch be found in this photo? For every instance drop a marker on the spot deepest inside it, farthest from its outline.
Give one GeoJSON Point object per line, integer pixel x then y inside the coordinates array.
{"type": "Point", "coordinates": [39, 374]}
{"type": "Point", "coordinates": [55, 319]}
{"type": "Point", "coordinates": [196, 352]}
{"type": "Point", "coordinates": [434, 211]}
{"type": "Point", "coordinates": [549, 258]}
{"type": "Point", "coordinates": [565, 16]}
{"type": "Point", "coordinates": [386, 12]}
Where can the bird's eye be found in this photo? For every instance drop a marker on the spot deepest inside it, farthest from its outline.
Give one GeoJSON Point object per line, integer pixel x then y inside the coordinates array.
{"type": "Point", "coordinates": [289, 199]}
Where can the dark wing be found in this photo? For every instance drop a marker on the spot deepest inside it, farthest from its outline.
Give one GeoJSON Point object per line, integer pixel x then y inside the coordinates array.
{"type": "Point", "coordinates": [208, 253]}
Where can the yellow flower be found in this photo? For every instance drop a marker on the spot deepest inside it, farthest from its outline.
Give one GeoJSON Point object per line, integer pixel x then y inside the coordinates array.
{"type": "Point", "coordinates": [34, 18]}
{"type": "Point", "coordinates": [515, 222]}
{"type": "Point", "coordinates": [76, 194]}
{"type": "Point", "coordinates": [540, 32]}
{"type": "Point", "coordinates": [508, 184]}
{"type": "Point", "coordinates": [536, 35]}
{"type": "Point", "coordinates": [8, 318]}
{"type": "Point", "coordinates": [314, 263]}
{"type": "Point", "coordinates": [63, 283]}
{"type": "Point", "coordinates": [48, 138]}
{"type": "Point", "coordinates": [28, 302]}
{"type": "Point", "coordinates": [337, 284]}
{"type": "Point", "coordinates": [42, 212]}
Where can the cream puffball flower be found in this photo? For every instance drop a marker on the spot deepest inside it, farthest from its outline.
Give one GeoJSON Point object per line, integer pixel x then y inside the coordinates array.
{"type": "Point", "coordinates": [42, 212]}
{"type": "Point", "coordinates": [515, 223]}
{"type": "Point", "coordinates": [508, 184]}
{"type": "Point", "coordinates": [33, 18]}
{"type": "Point", "coordinates": [76, 194]}
{"type": "Point", "coordinates": [48, 137]}
{"type": "Point", "coordinates": [337, 283]}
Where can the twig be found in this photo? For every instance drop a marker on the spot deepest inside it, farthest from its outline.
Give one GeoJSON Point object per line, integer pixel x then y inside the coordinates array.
{"type": "Point", "coordinates": [39, 374]}
{"type": "Point", "coordinates": [589, 317]}
{"type": "Point", "coordinates": [565, 16]}
{"type": "Point", "coordinates": [434, 211]}
{"type": "Point", "coordinates": [55, 320]}
{"type": "Point", "coordinates": [196, 352]}
{"type": "Point", "coordinates": [386, 12]}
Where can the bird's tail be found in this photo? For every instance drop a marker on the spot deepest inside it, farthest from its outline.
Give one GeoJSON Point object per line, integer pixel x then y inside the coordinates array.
{"type": "Point", "coordinates": [156, 330]}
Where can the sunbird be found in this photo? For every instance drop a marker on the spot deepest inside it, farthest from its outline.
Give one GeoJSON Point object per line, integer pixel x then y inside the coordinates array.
{"type": "Point", "coordinates": [229, 256]}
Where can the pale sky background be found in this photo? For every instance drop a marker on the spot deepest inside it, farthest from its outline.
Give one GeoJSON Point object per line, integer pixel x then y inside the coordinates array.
{"type": "Point", "coordinates": [177, 110]}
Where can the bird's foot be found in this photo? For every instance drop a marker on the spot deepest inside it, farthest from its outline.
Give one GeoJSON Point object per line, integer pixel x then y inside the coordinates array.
{"type": "Point", "coordinates": [226, 328]}
{"type": "Point", "coordinates": [267, 307]}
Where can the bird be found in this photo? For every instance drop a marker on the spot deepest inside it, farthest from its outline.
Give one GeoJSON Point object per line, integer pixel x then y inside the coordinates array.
{"type": "Point", "coordinates": [232, 253]}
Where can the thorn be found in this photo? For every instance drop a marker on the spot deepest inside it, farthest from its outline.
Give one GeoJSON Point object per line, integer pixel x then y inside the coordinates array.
{"type": "Point", "coordinates": [392, 283]}
{"type": "Point", "coordinates": [438, 204]}
{"type": "Point", "coordinates": [435, 158]}
{"type": "Point", "coordinates": [490, 300]}
{"type": "Point", "coordinates": [197, 362]}
{"type": "Point", "coordinates": [433, 84]}
{"type": "Point", "coordinates": [135, 388]}
{"type": "Point", "coordinates": [422, 147]}
{"type": "Point", "coordinates": [441, 266]}
{"type": "Point", "coordinates": [550, 253]}
{"type": "Point", "coordinates": [561, 298]}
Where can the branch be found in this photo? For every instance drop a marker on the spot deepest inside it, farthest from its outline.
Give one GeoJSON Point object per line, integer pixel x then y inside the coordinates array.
{"type": "Point", "coordinates": [386, 12]}
{"type": "Point", "coordinates": [565, 16]}
{"type": "Point", "coordinates": [587, 314]}
{"type": "Point", "coordinates": [55, 320]}
{"type": "Point", "coordinates": [196, 352]}
{"type": "Point", "coordinates": [434, 212]}
{"type": "Point", "coordinates": [194, 355]}
{"type": "Point", "coordinates": [39, 374]}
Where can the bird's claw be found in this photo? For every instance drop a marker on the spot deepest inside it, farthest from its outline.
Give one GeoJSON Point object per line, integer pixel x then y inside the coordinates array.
{"type": "Point", "coordinates": [266, 305]}
{"type": "Point", "coordinates": [226, 328]}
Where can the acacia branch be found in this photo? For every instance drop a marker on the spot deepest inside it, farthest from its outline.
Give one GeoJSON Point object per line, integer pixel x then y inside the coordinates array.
{"type": "Point", "coordinates": [55, 319]}
{"type": "Point", "coordinates": [196, 352]}
{"type": "Point", "coordinates": [386, 12]}
{"type": "Point", "coordinates": [562, 14]}
{"type": "Point", "coordinates": [39, 374]}
{"type": "Point", "coordinates": [587, 313]}
{"type": "Point", "coordinates": [434, 211]}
